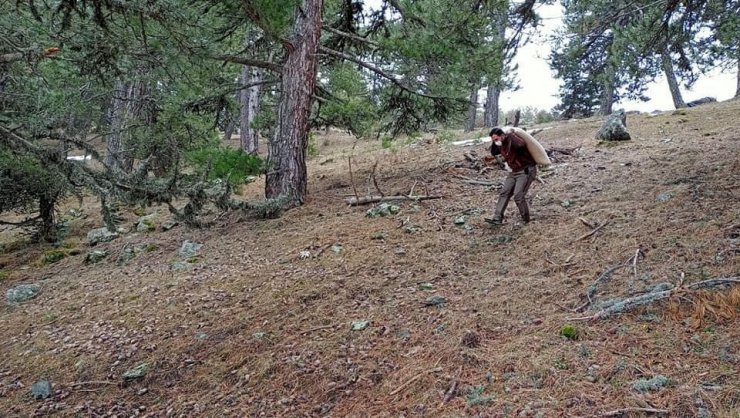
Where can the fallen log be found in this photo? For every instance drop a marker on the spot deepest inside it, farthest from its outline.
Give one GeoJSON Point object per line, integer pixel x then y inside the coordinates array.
{"type": "Point", "coordinates": [356, 201]}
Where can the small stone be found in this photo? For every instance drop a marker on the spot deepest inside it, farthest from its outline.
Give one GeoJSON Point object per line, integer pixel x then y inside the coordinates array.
{"type": "Point", "coordinates": [22, 293]}
{"type": "Point", "coordinates": [664, 197]}
{"type": "Point", "coordinates": [379, 236]}
{"type": "Point", "coordinates": [614, 128]}
{"type": "Point", "coordinates": [399, 252]}
{"type": "Point", "coordinates": [654, 384]}
{"type": "Point", "coordinates": [168, 225]}
{"type": "Point", "coordinates": [41, 389]}
{"type": "Point", "coordinates": [146, 224]}
{"type": "Point", "coordinates": [137, 372]}
{"type": "Point", "coordinates": [127, 254]}
{"type": "Point", "coordinates": [202, 336]}
{"type": "Point", "coordinates": [337, 248]}
{"type": "Point", "coordinates": [190, 249]}
{"type": "Point", "coordinates": [180, 266]}
{"type": "Point", "coordinates": [591, 379]}
{"type": "Point", "coordinates": [95, 256]}
{"type": "Point", "coordinates": [360, 325]}
{"type": "Point", "coordinates": [426, 286]}
{"type": "Point", "coordinates": [435, 300]}
{"type": "Point", "coordinates": [100, 235]}
{"type": "Point", "coordinates": [460, 220]}
{"type": "Point", "coordinates": [404, 334]}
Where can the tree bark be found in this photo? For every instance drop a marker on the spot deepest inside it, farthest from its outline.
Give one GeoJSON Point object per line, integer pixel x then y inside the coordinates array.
{"type": "Point", "coordinates": [250, 107]}
{"type": "Point", "coordinates": [472, 108]}
{"type": "Point", "coordinates": [48, 229]}
{"type": "Point", "coordinates": [607, 95]}
{"type": "Point", "coordinates": [672, 81]}
{"type": "Point", "coordinates": [286, 158]}
{"type": "Point", "coordinates": [490, 116]}
{"type": "Point", "coordinates": [130, 102]}
{"type": "Point", "coordinates": [737, 90]}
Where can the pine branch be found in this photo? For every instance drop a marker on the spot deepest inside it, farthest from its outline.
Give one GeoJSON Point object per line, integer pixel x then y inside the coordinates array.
{"type": "Point", "coordinates": [254, 16]}
{"type": "Point", "coordinates": [385, 75]}
{"type": "Point", "coordinates": [248, 61]}
{"type": "Point", "coordinates": [349, 36]}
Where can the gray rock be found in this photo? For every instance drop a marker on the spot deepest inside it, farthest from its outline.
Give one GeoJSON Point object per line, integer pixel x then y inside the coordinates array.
{"type": "Point", "coordinates": [41, 389]}
{"type": "Point", "coordinates": [146, 224]}
{"type": "Point", "coordinates": [337, 248]}
{"type": "Point", "coordinates": [435, 300]}
{"type": "Point", "coordinates": [22, 293]}
{"type": "Point", "coordinates": [169, 225]}
{"type": "Point", "coordinates": [383, 209]}
{"type": "Point", "coordinates": [614, 128]}
{"type": "Point", "coordinates": [190, 249]}
{"type": "Point", "coordinates": [645, 385]}
{"type": "Point", "coordinates": [95, 256]}
{"type": "Point", "coordinates": [360, 325]}
{"type": "Point", "coordinates": [100, 235]}
{"type": "Point", "coordinates": [664, 197]}
{"type": "Point", "coordinates": [128, 253]}
{"type": "Point", "coordinates": [460, 220]}
{"type": "Point", "coordinates": [137, 372]}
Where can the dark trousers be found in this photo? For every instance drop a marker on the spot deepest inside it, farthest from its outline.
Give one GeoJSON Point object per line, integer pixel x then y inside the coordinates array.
{"type": "Point", "coordinates": [516, 185]}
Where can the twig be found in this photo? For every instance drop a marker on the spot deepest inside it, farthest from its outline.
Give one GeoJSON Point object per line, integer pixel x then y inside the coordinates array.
{"type": "Point", "coordinates": [714, 282]}
{"type": "Point", "coordinates": [587, 223]}
{"type": "Point", "coordinates": [636, 257]}
{"type": "Point", "coordinates": [595, 230]}
{"type": "Point", "coordinates": [375, 181]}
{"type": "Point", "coordinates": [321, 251]}
{"type": "Point", "coordinates": [414, 379]}
{"type": "Point", "coordinates": [411, 192]}
{"type": "Point", "coordinates": [622, 411]}
{"type": "Point", "coordinates": [453, 387]}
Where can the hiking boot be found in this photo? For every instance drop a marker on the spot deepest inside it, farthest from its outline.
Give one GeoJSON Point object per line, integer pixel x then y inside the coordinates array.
{"type": "Point", "coordinates": [493, 221]}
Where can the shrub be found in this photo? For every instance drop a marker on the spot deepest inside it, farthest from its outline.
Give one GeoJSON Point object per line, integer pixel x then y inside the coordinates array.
{"type": "Point", "coordinates": [232, 165]}
{"type": "Point", "coordinates": [569, 331]}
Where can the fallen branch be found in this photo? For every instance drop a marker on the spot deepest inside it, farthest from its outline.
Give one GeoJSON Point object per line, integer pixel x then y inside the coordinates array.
{"type": "Point", "coordinates": [414, 379]}
{"type": "Point", "coordinates": [453, 387]}
{"type": "Point", "coordinates": [623, 411]}
{"type": "Point", "coordinates": [587, 223]}
{"type": "Point", "coordinates": [629, 303]}
{"type": "Point", "coordinates": [308, 331]}
{"type": "Point", "coordinates": [356, 201]}
{"type": "Point", "coordinates": [591, 290]}
{"type": "Point", "coordinates": [595, 230]}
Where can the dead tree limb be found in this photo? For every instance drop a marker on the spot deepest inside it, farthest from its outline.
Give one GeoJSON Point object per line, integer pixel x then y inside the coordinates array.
{"type": "Point", "coordinates": [591, 290]}
{"type": "Point", "coordinates": [628, 303]}
{"type": "Point", "coordinates": [595, 230]}
{"type": "Point", "coordinates": [453, 387]}
{"type": "Point", "coordinates": [356, 201]}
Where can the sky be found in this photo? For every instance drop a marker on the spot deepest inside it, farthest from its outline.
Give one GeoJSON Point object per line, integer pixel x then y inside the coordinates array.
{"type": "Point", "coordinates": [539, 88]}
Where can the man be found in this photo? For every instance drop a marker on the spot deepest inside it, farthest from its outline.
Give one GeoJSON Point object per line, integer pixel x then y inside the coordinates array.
{"type": "Point", "coordinates": [513, 149]}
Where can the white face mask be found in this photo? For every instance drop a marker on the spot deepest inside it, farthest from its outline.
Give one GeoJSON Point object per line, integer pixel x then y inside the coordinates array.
{"type": "Point", "coordinates": [498, 143]}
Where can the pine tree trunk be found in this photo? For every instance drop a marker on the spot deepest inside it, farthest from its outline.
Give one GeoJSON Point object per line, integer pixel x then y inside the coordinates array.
{"type": "Point", "coordinates": [130, 102]}
{"type": "Point", "coordinates": [250, 107]}
{"type": "Point", "coordinates": [48, 229]}
{"type": "Point", "coordinates": [737, 90]}
{"type": "Point", "coordinates": [472, 108]}
{"type": "Point", "coordinates": [672, 81]}
{"type": "Point", "coordinates": [607, 95]}
{"type": "Point", "coordinates": [490, 116]}
{"type": "Point", "coordinates": [286, 158]}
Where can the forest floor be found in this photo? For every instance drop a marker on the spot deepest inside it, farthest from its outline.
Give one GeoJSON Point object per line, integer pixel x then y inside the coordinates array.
{"type": "Point", "coordinates": [427, 312]}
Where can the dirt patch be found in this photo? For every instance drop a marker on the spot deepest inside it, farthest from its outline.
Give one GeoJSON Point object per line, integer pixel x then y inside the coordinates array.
{"type": "Point", "coordinates": [461, 319]}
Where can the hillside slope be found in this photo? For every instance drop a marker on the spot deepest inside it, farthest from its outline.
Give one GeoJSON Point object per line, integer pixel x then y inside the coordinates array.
{"type": "Point", "coordinates": [462, 319]}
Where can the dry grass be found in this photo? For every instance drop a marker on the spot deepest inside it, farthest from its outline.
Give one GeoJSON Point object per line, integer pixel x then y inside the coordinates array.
{"type": "Point", "coordinates": [254, 330]}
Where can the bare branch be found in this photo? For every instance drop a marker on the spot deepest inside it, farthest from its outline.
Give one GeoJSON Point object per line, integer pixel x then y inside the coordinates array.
{"type": "Point", "coordinates": [349, 35]}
